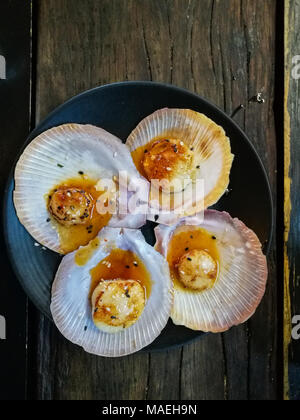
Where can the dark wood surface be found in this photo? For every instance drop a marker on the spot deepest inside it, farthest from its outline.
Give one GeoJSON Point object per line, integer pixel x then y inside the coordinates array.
{"type": "Point", "coordinates": [292, 216]}
{"type": "Point", "coordinates": [224, 51]}
{"type": "Point", "coordinates": [15, 22]}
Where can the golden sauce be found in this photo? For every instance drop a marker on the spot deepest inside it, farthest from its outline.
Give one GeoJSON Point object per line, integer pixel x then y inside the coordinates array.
{"type": "Point", "coordinates": [83, 255]}
{"type": "Point", "coordinates": [186, 240]}
{"type": "Point", "coordinates": [123, 265]}
{"type": "Point", "coordinates": [138, 155]}
{"type": "Point", "coordinates": [163, 170]}
{"type": "Point", "coordinates": [72, 237]}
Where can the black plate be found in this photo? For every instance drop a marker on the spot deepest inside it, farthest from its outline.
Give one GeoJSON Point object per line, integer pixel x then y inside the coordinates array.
{"type": "Point", "coordinates": [118, 108]}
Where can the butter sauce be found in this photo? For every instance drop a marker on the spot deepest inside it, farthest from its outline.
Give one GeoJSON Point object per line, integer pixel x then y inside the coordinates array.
{"type": "Point", "coordinates": [72, 237]}
{"type": "Point", "coordinates": [121, 264]}
{"type": "Point", "coordinates": [189, 239]}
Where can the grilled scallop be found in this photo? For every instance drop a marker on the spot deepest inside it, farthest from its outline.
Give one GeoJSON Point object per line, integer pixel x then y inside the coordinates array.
{"type": "Point", "coordinates": [70, 206]}
{"type": "Point", "coordinates": [180, 150]}
{"type": "Point", "coordinates": [117, 304]}
{"type": "Point", "coordinates": [197, 270]}
{"type": "Point", "coordinates": [218, 269]}
{"type": "Point", "coordinates": [168, 160]}
{"type": "Point", "coordinates": [114, 296]}
{"type": "Point", "coordinates": [67, 186]}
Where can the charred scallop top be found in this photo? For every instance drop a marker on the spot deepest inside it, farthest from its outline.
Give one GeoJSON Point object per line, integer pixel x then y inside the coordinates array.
{"type": "Point", "coordinates": [70, 206]}
{"type": "Point", "coordinates": [166, 159]}
{"type": "Point", "coordinates": [198, 270]}
{"type": "Point", "coordinates": [193, 259]}
{"type": "Point", "coordinates": [117, 303]}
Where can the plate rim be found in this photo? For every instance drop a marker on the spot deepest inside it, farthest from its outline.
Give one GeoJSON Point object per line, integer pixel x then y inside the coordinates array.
{"type": "Point", "coordinates": [32, 134]}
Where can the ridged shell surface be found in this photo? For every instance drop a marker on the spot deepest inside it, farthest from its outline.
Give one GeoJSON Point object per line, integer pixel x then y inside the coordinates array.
{"type": "Point", "coordinates": [71, 306]}
{"type": "Point", "coordinates": [241, 282]}
{"type": "Point", "coordinates": [211, 148]}
{"type": "Point", "coordinates": [59, 154]}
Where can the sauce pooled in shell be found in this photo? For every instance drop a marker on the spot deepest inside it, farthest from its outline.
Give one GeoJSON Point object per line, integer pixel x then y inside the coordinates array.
{"type": "Point", "coordinates": [72, 206]}
{"type": "Point", "coordinates": [193, 259]}
{"type": "Point", "coordinates": [169, 161]}
{"type": "Point", "coordinates": [120, 287]}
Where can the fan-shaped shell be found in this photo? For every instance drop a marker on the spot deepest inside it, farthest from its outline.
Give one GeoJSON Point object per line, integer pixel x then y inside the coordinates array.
{"type": "Point", "coordinates": [211, 148]}
{"type": "Point", "coordinates": [59, 154]}
{"type": "Point", "coordinates": [241, 282]}
{"type": "Point", "coordinates": [71, 306]}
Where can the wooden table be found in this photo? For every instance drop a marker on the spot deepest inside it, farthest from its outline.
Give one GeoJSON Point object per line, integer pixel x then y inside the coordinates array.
{"type": "Point", "coordinates": [224, 50]}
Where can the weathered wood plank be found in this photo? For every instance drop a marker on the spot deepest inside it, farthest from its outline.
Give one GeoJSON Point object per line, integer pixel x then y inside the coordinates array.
{"type": "Point", "coordinates": [97, 43]}
{"type": "Point", "coordinates": [225, 53]}
{"type": "Point", "coordinates": [15, 23]}
{"type": "Point", "coordinates": [292, 221]}
{"type": "Point", "coordinates": [260, 30]}
{"type": "Point", "coordinates": [164, 375]}
{"type": "Point", "coordinates": [231, 54]}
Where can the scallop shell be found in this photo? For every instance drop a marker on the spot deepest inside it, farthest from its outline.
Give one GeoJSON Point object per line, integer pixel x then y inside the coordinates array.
{"type": "Point", "coordinates": [242, 279]}
{"type": "Point", "coordinates": [71, 307]}
{"type": "Point", "coordinates": [57, 155]}
{"type": "Point", "coordinates": [211, 147]}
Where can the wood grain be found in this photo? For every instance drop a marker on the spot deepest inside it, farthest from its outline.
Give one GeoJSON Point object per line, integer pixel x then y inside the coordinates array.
{"type": "Point", "coordinates": [292, 171]}
{"type": "Point", "coordinates": [224, 51]}
{"type": "Point", "coordinates": [15, 126]}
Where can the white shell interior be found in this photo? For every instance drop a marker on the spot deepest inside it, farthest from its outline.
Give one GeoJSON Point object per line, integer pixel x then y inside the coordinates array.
{"type": "Point", "coordinates": [58, 155]}
{"type": "Point", "coordinates": [71, 308]}
{"type": "Point", "coordinates": [241, 283]}
{"type": "Point", "coordinates": [199, 132]}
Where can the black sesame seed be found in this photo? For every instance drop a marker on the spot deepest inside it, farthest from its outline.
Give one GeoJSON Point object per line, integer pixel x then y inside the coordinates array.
{"type": "Point", "coordinates": [48, 220]}
{"type": "Point", "coordinates": [127, 294]}
{"type": "Point", "coordinates": [191, 237]}
{"type": "Point", "coordinates": [198, 167]}
{"type": "Point", "coordinates": [113, 317]}
{"type": "Point", "coordinates": [60, 166]}
{"type": "Point", "coordinates": [96, 310]}
{"type": "Point", "coordinates": [50, 196]}
{"type": "Point", "coordinates": [186, 249]}
{"type": "Point", "coordinates": [127, 266]}
{"type": "Point", "coordinates": [192, 148]}
{"type": "Point", "coordinates": [189, 259]}
{"type": "Point", "coordinates": [81, 173]}
{"type": "Point", "coordinates": [135, 264]}
{"type": "Point", "coordinates": [85, 328]}
{"type": "Point", "coordinates": [214, 238]}
{"type": "Point", "coordinates": [146, 151]}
